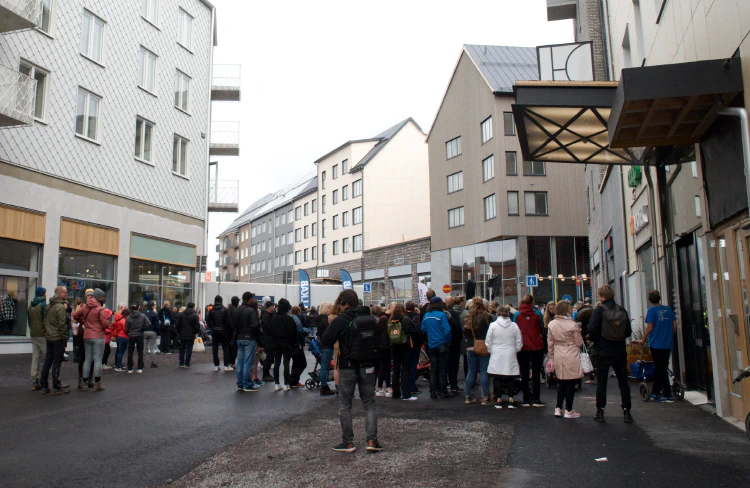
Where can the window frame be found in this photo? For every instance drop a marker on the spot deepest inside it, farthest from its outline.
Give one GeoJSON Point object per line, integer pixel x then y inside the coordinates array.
{"type": "Point", "coordinates": [460, 178]}
{"type": "Point", "coordinates": [357, 184]}
{"type": "Point", "coordinates": [314, 229]}
{"type": "Point", "coordinates": [182, 14]}
{"type": "Point", "coordinates": [51, 9]}
{"type": "Point", "coordinates": [344, 167]}
{"type": "Point", "coordinates": [33, 69]}
{"type": "Point", "coordinates": [297, 235]}
{"type": "Point", "coordinates": [323, 205]}
{"type": "Point", "coordinates": [356, 238]}
{"type": "Point", "coordinates": [187, 152]}
{"type": "Point", "coordinates": [306, 209]}
{"type": "Point", "coordinates": [335, 172]}
{"type": "Point", "coordinates": [491, 160]}
{"type": "Point", "coordinates": [86, 116]}
{"type": "Point", "coordinates": [335, 248]}
{"type": "Point", "coordinates": [141, 157]}
{"type": "Point", "coordinates": [344, 193]}
{"type": "Point", "coordinates": [88, 55]}
{"type": "Point", "coordinates": [460, 213]}
{"type": "Point", "coordinates": [536, 213]}
{"type": "Point", "coordinates": [518, 203]}
{"type": "Point", "coordinates": [512, 124]}
{"type": "Point", "coordinates": [354, 215]}
{"type": "Point", "coordinates": [487, 134]}
{"type": "Point", "coordinates": [179, 101]}
{"type": "Point", "coordinates": [335, 222]}
{"type": "Point", "coordinates": [345, 245]}
{"type": "Point", "coordinates": [323, 253]}
{"type": "Point", "coordinates": [298, 212]}
{"type": "Point", "coordinates": [345, 219]}
{"type": "Point", "coordinates": [323, 180]}
{"type": "Point", "coordinates": [314, 205]}
{"type": "Point", "coordinates": [144, 55]}
{"type": "Point", "coordinates": [298, 257]}
{"type": "Point", "coordinates": [534, 164]}
{"type": "Point", "coordinates": [515, 163]}
{"type": "Point", "coordinates": [335, 197]}
{"type": "Point", "coordinates": [144, 10]}
{"type": "Point", "coordinates": [314, 252]}
{"type": "Point", "coordinates": [493, 207]}
{"type": "Point", "coordinates": [455, 145]}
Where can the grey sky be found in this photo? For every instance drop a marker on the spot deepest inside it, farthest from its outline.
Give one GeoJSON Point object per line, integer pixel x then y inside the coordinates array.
{"type": "Point", "coordinates": [316, 74]}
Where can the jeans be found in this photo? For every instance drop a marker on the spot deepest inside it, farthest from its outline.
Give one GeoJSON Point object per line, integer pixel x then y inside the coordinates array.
{"type": "Point", "coordinates": [384, 369]}
{"type": "Point", "coordinates": [38, 356]}
{"type": "Point", "coordinates": [150, 339]}
{"type": "Point", "coordinates": [122, 345]}
{"type": "Point", "coordinates": [566, 389]}
{"type": "Point", "coordinates": [94, 353]}
{"type": "Point", "coordinates": [135, 342]}
{"type": "Point", "coordinates": [245, 358]}
{"type": "Point", "coordinates": [414, 370]}
{"type": "Point", "coordinates": [439, 369]}
{"type": "Point", "coordinates": [478, 364]}
{"type": "Point", "coordinates": [620, 367]}
{"type": "Point", "coordinates": [532, 359]}
{"type": "Point", "coordinates": [348, 380]}
{"type": "Point", "coordinates": [53, 359]}
{"type": "Point", "coordinates": [282, 352]}
{"type": "Point", "coordinates": [661, 375]}
{"type": "Point", "coordinates": [220, 338]}
{"type": "Point", "coordinates": [186, 350]}
{"type": "Point", "coordinates": [401, 371]}
{"type": "Point", "coordinates": [326, 356]}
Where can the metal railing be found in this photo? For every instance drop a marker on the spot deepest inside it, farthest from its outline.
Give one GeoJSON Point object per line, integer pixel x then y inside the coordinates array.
{"type": "Point", "coordinates": [223, 196]}
{"type": "Point", "coordinates": [17, 98]}
{"type": "Point", "coordinates": [225, 133]}
{"type": "Point", "coordinates": [225, 76]}
{"type": "Point", "coordinates": [29, 10]}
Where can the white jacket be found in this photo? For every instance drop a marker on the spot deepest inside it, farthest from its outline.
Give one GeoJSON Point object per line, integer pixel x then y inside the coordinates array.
{"type": "Point", "coordinates": [504, 341]}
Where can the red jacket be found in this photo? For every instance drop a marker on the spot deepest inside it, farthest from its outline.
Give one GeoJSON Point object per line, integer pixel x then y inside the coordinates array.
{"type": "Point", "coordinates": [531, 328]}
{"type": "Point", "coordinates": [93, 316]}
{"type": "Point", "coordinates": [118, 327]}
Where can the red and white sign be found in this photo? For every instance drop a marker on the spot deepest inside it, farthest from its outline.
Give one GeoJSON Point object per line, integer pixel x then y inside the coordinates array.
{"type": "Point", "coordinates": [447, 289]}
{"type": "Point", "coordinates": [208, 276]}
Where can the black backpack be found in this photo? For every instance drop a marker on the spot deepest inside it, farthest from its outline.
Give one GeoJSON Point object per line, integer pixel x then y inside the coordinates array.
{"type": "Point", "coordinates": [614, 323]}
{"type": "Point", "coordinates": [364, 339]}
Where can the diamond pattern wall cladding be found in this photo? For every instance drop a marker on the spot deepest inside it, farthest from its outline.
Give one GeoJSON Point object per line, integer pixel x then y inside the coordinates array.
{"type": "Point", "coordinates": [52, 147]}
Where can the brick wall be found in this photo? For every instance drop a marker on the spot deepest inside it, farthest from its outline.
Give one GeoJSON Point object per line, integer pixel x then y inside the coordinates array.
{"type": "Point", "coordinates": [589, 27]}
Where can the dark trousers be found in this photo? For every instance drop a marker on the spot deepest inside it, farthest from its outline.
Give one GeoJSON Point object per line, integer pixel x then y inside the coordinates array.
{"type": "Point", "coordinates": [220, 338]}
{"type": "Point", "coordinates": [531, 360]}
{"type": "Point", "coordinates": [299, 363]}
{"type": "Point", "coordinates": [413, 363]}
{"type": "Point", "coordinates": [186, 350]}
{"type": "Point", "coordinates": [53, 359]}
{"type": "Point", "coordinates": [401, 371]}
{"type": "Point", "coordinates": [502, 383]}
{"type": "Point", "coordinates": [232, 348]}
{"type": "Point", "coordinates": [384, 369]}
{"type": "Point", "coordinates": [454, 363]}
{"type": "Point", "coordinates": [282, 352]}
{"type": "Point", "coordinates": [661, 376]}
{"type": "Point", "coordinates": [566, 390]}
{"type": "Point", "coordinates": [107, 350]}
{"type": "Point", "coordinates": [135, 343]}
{"type": "Point", "coordinates": [166, 336]}
{"type": "Point", "coordinates": [439, 369]}
{"type": "Point", "coordinates": [620, 367]}
{"type": "Point", "coordinates": [268, 347]}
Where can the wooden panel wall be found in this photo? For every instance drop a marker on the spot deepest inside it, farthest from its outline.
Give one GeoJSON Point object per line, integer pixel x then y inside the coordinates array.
{"type": "Point", "coordinates": [21, 225]}
{"type": "Point", "coordinates": [87, 237]}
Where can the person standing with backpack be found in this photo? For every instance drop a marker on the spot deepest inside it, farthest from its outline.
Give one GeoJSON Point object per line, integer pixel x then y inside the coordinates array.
{"type": "Point", "coordinates": [532, 354]}
{"type": "Point", "coordinates": [400, 331]}
{"type": "Point", "coordinates": [384, 365]}
{"type": "Point", "coordinates": [609, 327]}
{"type": "Point", "coordinates": [435, 324]}
{"type": "Point", "coordinates": [152, 332]}
{"type": "Point", "coordinates": [167, 327]}
{"type": "Point", "coordinates": [356, 332]}
{"type": "Point", "coordinates": [219, 321]}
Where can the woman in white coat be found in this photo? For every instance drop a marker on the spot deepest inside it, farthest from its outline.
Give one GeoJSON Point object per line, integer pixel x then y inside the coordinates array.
{"type": "Point", "coordinates": [504, 341]}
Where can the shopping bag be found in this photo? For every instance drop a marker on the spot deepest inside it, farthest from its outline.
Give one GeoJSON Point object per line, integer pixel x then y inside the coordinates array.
{"type": "Point", "coordinates": [549, 367]}
{"type": "Point", "coordinates": [198, 345]}
{"type": "Point", "coordinates": [113, 344]}
{"type": "Point", "coordinates": [586, 365]}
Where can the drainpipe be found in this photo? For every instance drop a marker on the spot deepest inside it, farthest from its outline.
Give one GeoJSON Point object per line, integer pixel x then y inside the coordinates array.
{"type": "Point", "coordinates": [742, 114]}
{"type": "Point", "coordinates": [654, 234]}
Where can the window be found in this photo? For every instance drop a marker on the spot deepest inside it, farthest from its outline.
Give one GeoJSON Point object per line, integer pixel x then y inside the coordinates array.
{"type": "Point", "coordinates": [323, 257]}
{"type": "Point", "coordinates": [323, 227]}
{"type": "Point", "coordinates": [335, 197]}
{"type": "Point", "coordinates": [323, 204]}
{"type": "Point", "coordinates": [289, 217]}
{"type": "Point", "coordinates": [488, 168]}
{"type": "Point", "coordinates": [323, 180]}
{"type": "Point", "coordinates": [455, 182]}
{"type": "Point", "coordinates": [345, 219]}
{"type": "Point", "coordinates": [697, 206]}
{"type": "Point", "coordinates": [314, 228]}
{"type": "Point", "coordinates": [344, 166]}
{"type": "Point", "coordinates": [307, 209]}
{"type": "Point", "coordinates": [278, 240]}
{"type": "Point", "coordinates": [298, 213]}
{"type": "Point", "coordinates": [298, 235]}
{"type": "Point", "coordinates": [307, 231]}
{"type": "Point", "coordinates": [335, 222]}
{"type": "Point", "coordinates": [307, 254]}
{"type": "Point", "coordinates": [263, 227]}
{"type": "Point", "coordinates": [455, 217]}
{"type": "Point", "coordinates": [356, 188]}
{"type": "Point", "coordinates": [289, 237]}
{"type": "Point", "coordinates": [315, 205]}
{"type": "Point", "coordinates": [45, 16]}
{"type": "Point", "coordinates": [693, 164]}
{"type": "Point", "coordinates": [150, 10]}
{"type": "Point", "coordinates": [536, 202]}
{"type": "Point", "coordinates": [298, 257]}
{"type": "Point", "coordinates": [489, 207]}
{"type": "Point", "coordinates": [40, 76]}
{"type": "Point", "coordinates": [345, 192]}
{"type": "Point", "coordinates": [487, 129]}
{"type": "Point", "coordinates": [185, 29]}
{"type": "Point", "coordinates": [283, 218]}
{"type": "Point", "coordinates": [144, 131]}
{"type": "Point", "coordinates": [147, 70]}
{"type": "Point", "coordinates": [511, 167]}
{"type": "Point", "coordinates": [357, 243]}
{"type": "Point", "coordinates": [534, 168]}
{"type": "Point", "coordinates": [179, 155]}
{"type": "Point", "coordinates": [345, 245]}
{"type": "Point", "coordinates": [87, 114]}
{"type": "Point", "coordinates": [255, 229]}
{"type": "Point", "coordinates": [181, 90]}
{"type": "Point", "coordinates": [510, 126]}
{"type": "Point", "coordinates": [92, 36]}
{"type": "Point", "coordinates": [283, 239]}
{"type": "Point", "coordinates": [276, 261]}
{"type": "Point", "coordinates": [252, 268]}
{"type": "Point", "coordinates": [357, 215]}
{"type": "Point", "coordinates": [315, 252]}
{"type": "Point", "coordinates": [335, 171]}
{"type": "Point", "coordinates": [335, 248]}
{"type": "Point", "coordinates": [453, 148]}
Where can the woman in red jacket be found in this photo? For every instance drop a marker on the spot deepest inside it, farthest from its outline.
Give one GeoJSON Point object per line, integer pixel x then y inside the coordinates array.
{"type": "Point", "coordinates": [118, 332]}
{"type": "Point", "coordinates": [532, 354]}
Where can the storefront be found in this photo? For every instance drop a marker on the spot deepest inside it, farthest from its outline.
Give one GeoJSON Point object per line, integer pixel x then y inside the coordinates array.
{"type": "Point", "coordinates": [161, 271]}
{"type": "Point", "coordinates": [487, 270]}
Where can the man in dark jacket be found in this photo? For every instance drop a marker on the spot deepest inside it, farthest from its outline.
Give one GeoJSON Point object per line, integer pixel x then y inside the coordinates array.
{"type": "Point", "coordinates": [35, 317]}
{"type": "Point", "coordinates": [583, 318]}
{"type": "Point", "coordinates": [135, 326]}
{"type": "Point", "coordinates": [230, 332]}
{"type": "Point", "coordinates": [532, 354]}
{"type": "Point", "coordinates": [412, 312]}
{"type": "Point", "coordinates": [219, 321]}
{"type": "Point", "coordinates": [353, 374]}
{"type": "Point", "coordinates": [187, 326]}
{"type": "Point", "coordinates": [56, 334]}
{"type": "Point", "coordinates": [326, 354]}
{"type": "Point", "coordinates": [454, 353]}
{"type": "Point", "coordinates": [247, 325]}
{"type": "Point", "coordinates": [152, 331]}
{"type": "Point", "coordinates": [167, 321]}
{"type": "Point", "coordinates": [284, 336]}
{"type": "Point", "coordinates": [610, 352]}
{"type": "Point", "coordinates": [266, 317]}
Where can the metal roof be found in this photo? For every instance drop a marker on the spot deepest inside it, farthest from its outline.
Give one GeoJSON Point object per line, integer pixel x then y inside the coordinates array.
{"type": "Point", "coordinates": [384, 138]}
{"type": "Point", "coordinates": [502, 66]}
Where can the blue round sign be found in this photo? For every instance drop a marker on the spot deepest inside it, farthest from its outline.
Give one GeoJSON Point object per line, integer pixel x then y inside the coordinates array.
{"type": "Point", "coordinates": [567, 297]}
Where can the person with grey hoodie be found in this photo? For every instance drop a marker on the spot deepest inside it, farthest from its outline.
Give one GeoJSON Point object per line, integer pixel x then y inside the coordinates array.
{"type": "Point", "coordinates": [135, 325]}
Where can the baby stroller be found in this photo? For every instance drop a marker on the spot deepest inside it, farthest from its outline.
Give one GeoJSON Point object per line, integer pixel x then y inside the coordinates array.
{"type": "Point", "coordinates": [644, 372]}
{"type": "Point", "coordinates": [314, 380]}
{"type": "Point", "coordinates": [205, 335]}
{"type": "Point", "coordinates": [423, 366]}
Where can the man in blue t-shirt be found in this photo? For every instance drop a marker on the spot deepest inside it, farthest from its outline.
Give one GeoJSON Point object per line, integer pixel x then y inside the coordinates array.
{"type": "Point", "coordinates": [661, 324]}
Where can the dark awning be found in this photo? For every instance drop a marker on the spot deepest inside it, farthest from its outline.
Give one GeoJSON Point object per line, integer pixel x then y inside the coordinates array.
{"type": "Point", "coordinates": [566, 122]}
{"type": "Point", "coordinates": [671, 104]}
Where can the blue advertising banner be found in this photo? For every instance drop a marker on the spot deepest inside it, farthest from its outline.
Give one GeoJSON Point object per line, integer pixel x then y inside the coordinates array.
{"type": "Point", "coordinates": [346, 280]}
{"type": "Point", "coordinates": [304, 288]}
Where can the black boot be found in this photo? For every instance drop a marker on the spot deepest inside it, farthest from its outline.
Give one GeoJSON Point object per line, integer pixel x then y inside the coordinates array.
{"type": "Point", "coordinates": [433, 395]}
{"type": "Point", "coordinates": [80, 383]}
{"type": "Point", "coordinates": [599, 417]}
{"type": "Point", "coordinates": [326, 391]}
{"type": "Point", "coordinates": [627, 418]}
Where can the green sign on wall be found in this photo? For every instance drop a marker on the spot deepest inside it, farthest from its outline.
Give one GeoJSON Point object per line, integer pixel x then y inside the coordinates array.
{"type": "Point", "coordinates": [161, 251]}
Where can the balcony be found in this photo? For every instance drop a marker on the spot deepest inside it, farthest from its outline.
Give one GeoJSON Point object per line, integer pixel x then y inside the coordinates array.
{"type": "Point", "coordinates": [218, 248]}
{"type": "Point", "coordinates": [19, 14]}
{"type": "Point", "coordinates": [17, 97]}
{"type": "Point", "coordinates": [236, 242]}
{"type": "Point", "coordinates": [223, 196]}
{"type": "Point", "coordinates": [217, 263]}
{"type": "Point", "coordinates": [561, 9]}
{"type": "Point", "coordinates": [235, 261]}
{"type": "Point", "coordinates": [225, 85]}
{"type": "Point", "coordinates": [227, 245]}
{"type": "Point", "coordinates": [225, 139]}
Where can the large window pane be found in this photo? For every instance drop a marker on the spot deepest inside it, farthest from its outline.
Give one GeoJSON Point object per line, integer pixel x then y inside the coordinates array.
{"type": "Point", "coordinates": [82, 264]}
{"type": "Point", "coordinates": [18, 255]}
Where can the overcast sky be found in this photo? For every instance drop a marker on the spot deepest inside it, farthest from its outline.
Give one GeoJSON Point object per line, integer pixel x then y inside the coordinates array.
{"type": "Point", "coordinates": [317, 74]}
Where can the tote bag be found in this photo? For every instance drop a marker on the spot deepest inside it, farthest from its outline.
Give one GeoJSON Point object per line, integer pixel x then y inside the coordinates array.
{"type": "Point", "coordinates": [198, 345]}
{"type": "Point", "coordinates": [586, 365]}
{"type": "Point", "coordinates": [480, 346]}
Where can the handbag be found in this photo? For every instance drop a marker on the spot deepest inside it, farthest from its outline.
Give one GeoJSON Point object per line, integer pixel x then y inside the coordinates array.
{"type": "Point", "coordinates": [480, 345]}
{"type": "Point", "coordinates": [549, 367]}
{"type": "Point", "coordinates": [198, 345]}
{"type": "Point", "coordinates": [586, 365]}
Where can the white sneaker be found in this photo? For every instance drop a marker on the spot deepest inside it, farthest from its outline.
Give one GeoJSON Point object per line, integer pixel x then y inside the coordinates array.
{"type": "Point", "coordinates": [130, 371]}
{"type": "Point", "coordinates": [216, 368]}
{"type": "Point", "coordinates": [558, 412]}
{"type": "Point", "coordinates": [106, 366]}
{"type": "Point", "coordinates": [410, 399]}
{"type": "Point", "coordinates": [389, 394]}
{"type": "Point", "coordinates": [286, 388]}
{"type": "Point", "coordinates": [277, 388]}
{"type": "Point", "coordinates": [572, 415]}
{"type": "Point", "coordinates": [380, 393]}
{"type": "Point", "coordinates": [229, 368]}
{"type": "Point", "coordinates": [140, 371]}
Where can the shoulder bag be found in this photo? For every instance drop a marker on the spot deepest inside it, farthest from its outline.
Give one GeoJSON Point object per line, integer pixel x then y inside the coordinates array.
{"type": "Point", "coordinates": [480, 346]}
{"type": "Point", "coordinates": [586, 365]}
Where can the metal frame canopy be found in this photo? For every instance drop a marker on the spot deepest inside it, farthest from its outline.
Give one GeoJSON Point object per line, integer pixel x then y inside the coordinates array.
{"type": "Point", "coordinates": [566, 122]}
{"type": "Point", "coordinates": [672, 104]}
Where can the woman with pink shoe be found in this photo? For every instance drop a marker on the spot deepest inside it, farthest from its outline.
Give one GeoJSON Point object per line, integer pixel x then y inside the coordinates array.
{"type": "Point", "coordinates": [564, 343]}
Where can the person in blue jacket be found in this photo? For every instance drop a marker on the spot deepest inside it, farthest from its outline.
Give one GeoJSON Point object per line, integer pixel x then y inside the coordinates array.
{"type": "Point", "coordinates": [435, 324]}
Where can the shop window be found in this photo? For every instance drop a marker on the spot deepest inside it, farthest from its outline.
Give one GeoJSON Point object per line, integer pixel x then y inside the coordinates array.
{"type": "Point", "coordinates": [79, 270]}
{"type": "Point", "coordinates": [17, 291]}
{"type": "Point", "coordinates": [159, 282]}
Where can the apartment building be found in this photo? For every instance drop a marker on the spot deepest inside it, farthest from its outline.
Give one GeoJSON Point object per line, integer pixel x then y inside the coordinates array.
{"type": "Point", "coordinates": [306, 228]}
{"type": "Point", "coordinates": [104, 148]}
{"type": "Point", "coordinates": [495, 217]}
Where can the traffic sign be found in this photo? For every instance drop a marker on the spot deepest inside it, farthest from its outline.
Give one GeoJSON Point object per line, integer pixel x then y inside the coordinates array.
{"type": "Point", "coordinates": [532, 281]}
{"type": "Point", "coordinates": [568, 298]}
{"type": "Point", "coordinates": [368, 287]}
{"type": "Point", "coordinates": [447, 289]}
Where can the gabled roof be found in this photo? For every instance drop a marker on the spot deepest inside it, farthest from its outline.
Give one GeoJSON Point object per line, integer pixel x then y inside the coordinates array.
{"type": "Point", "coordinates": [383, 139]}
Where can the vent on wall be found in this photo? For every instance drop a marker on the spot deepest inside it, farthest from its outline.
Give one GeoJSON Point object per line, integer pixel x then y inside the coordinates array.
{"type": "Point", "coordinates": [423, 257]}
{"type": "Point", "coordinates": [398, 261]}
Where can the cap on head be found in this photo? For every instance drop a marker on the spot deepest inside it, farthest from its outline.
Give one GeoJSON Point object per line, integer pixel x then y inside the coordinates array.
{"type": "Point", "coordinates": [89, 293]}
{"type": "Point", "coordinates": [40, 291]}
{"type": "Point", "coordinates": [218, 299]}
{"type": "Point", "coordinates": [436, 300]}
{"type": "Point", "coordinates": [99, 294]}
{"type": "Point", "coordinates": [268, 304]}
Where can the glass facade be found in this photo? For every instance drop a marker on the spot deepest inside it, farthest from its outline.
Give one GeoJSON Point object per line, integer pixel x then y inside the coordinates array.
{"type": "Point", "coordinates": [397, 289]}
{"type": "Point", "coordinates": [159, 282]}
{"type": "Point", "coordinates": [79, 270]}
{"type": "Point", "coordinates": [486, 270]}
{"type": "Point", "coordinates": [550, 257]}
{"type": "Point", "coordinates": [19, 274]}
